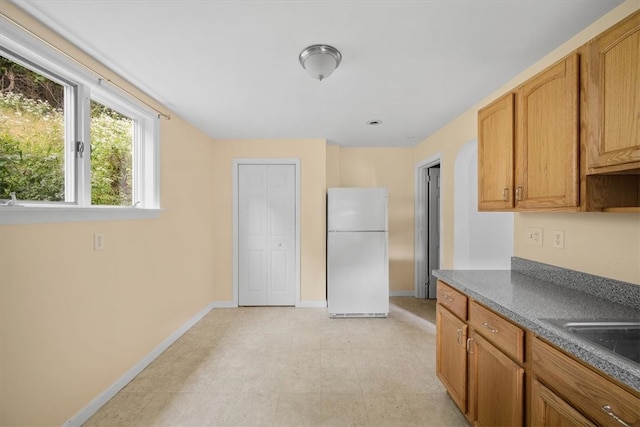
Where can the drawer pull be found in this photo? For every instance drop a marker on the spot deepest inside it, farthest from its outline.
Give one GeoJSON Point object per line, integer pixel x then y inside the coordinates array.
{"type": "Point", "coordinates": [607, 409]}
{"type": "Point", "coordinates": [486, 326]}
{"type": "Point", "coordinates": [447, 298]}
{"type": "Point", "coordinates": [459, 335]}
{"type": "Point", "coordinates": [469, 345]}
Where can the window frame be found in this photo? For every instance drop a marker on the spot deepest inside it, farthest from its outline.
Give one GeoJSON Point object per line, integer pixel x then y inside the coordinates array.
{"type": "Point", "coordinates": [84, 86]}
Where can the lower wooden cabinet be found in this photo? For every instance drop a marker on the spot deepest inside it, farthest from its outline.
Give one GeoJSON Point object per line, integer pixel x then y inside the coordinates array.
{"type": "Point", "coordinates": [481, 362]}
{"type": "Point", "coordinates": [548, 409]}
{"type": "Point", "coordinates": [451, 355]}
{"type": "Point", "coordinates": [590, 394]}
{"type": "Point", "coordinates": [496, 386]}
{"type": "Point", "coordinates": [485, 383]}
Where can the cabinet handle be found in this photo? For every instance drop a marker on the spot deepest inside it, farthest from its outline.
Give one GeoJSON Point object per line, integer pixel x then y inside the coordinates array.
{"type": "Point", "coordinates": [459, 335]}
{"type": "Point", "coordinates": [607, 409]}
{"type": "Point", "coordinates": [505, 195]}
{"type": "Point", "coordinates": [519, 193]}
{"type": "Point", "coordinates": [469, 345]}
{"type": "Point", "coordinates": [447, 298]}
{"type": "Point", "coordinates": [486, 326]}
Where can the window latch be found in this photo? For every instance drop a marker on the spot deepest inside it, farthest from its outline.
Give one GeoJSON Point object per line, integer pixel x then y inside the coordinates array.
{"type": "Point", "coordinates": [79, 149]}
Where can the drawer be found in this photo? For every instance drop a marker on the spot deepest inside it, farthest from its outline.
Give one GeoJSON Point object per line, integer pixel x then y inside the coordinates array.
{"type": "Point", "coordinates": [506, 336]}
{"type": "Point", "coordinates": [591, 393]}
{"type": "Point", "coordinates": [455, 301]}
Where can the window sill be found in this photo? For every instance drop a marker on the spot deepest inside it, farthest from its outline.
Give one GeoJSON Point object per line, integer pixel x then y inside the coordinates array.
{"type": "Point", "coordinates": [43, 215]}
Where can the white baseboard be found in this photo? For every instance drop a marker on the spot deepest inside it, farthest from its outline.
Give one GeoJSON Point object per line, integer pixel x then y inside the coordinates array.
{"type": "Point", "coordinates": [85, 413]}
{"type": "Point", "coordinates": [224, 304]}
{"type": "Point", "coordinates": [299, 304]}
{"type": "Point", "coordinates": [401, 293]}
{"type": "Point", "coordinates": [311, 304]}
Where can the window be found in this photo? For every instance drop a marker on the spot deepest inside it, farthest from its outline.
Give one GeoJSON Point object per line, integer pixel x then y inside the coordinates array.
{"type": "Point", "coordinates": [32, 133]}
{"type": "Point", "coordinates": [72, 146]}
{"type": "Point", "coordinates": [111, 156]}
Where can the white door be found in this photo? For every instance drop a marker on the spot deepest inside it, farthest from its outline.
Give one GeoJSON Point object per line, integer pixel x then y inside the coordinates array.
{"type": "Point", "coordinates": [266, 234]}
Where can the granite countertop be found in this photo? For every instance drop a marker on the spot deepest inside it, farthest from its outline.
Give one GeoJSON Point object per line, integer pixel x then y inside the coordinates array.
{"type": "Point", "coordinates": [526, 300]}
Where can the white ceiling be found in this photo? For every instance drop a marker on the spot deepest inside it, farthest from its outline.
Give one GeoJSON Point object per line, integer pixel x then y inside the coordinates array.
{"type": "Point", "coordinates": [231, 67]}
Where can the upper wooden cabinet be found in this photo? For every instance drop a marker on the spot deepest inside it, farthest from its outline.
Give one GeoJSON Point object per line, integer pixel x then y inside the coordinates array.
{"type": "Point", "coordinates": [547, 138]}
{"type": "Point", "coordinates": [528, 143]}
{"type": "Point", "coordinates": [568, 139]}
{"type": "Point", "coordinates": [495, 154]}
{"type": "Point", "coordinates": [613, 98]}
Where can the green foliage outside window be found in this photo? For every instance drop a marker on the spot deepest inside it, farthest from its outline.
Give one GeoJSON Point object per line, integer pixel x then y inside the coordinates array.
{"type": "Point", "coordinates": [31, 149]}
{"type": "Point", "coordinates": [32, 162]}
{"type": "Point", "coordinates": [111, 159]}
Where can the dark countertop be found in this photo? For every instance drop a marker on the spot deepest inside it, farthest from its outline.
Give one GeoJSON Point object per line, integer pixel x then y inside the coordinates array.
{"type": "Point", "coordinates": [525, 300]}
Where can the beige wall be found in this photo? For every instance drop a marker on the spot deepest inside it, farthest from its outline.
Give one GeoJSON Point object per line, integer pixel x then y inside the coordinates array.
{"type": "Point", "coordinates": [333, 166]}
{"type": "Point", "coordinates": [391, 168]}
{"type": "Point", "coordinates": [72, 321]}
{"type": "Point", "coordinates": [597, 243]}
{"type": "Point", "coordinates": [447, 142]}
{"type": "Point", "coordinates": [321, 166]}
{"type": "Point", "coordinates": [312, 209]}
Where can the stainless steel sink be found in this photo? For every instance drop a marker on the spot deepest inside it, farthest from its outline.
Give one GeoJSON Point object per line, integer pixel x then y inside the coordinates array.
{"type": "Point", "coordinates": [620, 337]}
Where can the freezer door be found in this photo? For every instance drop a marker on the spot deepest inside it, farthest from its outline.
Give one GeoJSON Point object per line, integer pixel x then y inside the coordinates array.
{"type": "Point", "coordinates": [357, 273]}
{"type": "Point", "coordinates": [357, 209]}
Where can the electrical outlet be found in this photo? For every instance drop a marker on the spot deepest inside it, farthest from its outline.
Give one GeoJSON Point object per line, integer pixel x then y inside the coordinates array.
{"type": "Point", "coordinates": [534, 236]}
{"type": "Point", "coordinates": [98, 241]}
{"type": "Point", "coordinates": [558, 239]}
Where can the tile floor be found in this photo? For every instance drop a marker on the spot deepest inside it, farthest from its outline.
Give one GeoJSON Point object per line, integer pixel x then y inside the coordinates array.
{"type": "Point", "coordinates": [282, 366]}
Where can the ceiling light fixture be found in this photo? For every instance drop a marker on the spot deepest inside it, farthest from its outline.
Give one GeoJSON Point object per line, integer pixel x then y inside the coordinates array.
{"type": "Point", "coordinates": [320, 60]}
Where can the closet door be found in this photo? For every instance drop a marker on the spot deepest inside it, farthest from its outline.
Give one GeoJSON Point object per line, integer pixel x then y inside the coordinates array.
{"type": "Point", "coordinates": [266, 234]}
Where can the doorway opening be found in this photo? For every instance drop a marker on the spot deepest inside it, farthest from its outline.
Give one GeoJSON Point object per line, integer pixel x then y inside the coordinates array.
{"type": "Point", "coordinates": [428, 226]}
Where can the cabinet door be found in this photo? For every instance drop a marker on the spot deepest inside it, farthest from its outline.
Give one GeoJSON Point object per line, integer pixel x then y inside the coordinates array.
{"type": "Point", "coordinates": [451, 355]}
{"type": "Point", "coordinates": [547, 138]}
{"type": "Point", "coordinates": [496, 388]}
{"type": "Point", "coordinates": [495, 155]}
{"type": "Point", "coordinates": [586, 390]}
{"type": "Point", "coordinates": [614, 97]}
{"type": "Point", "coordinates": [548, 409]}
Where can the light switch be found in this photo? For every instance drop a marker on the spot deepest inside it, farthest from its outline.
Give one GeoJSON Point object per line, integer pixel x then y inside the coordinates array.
{"type": "Point", "coordinates": [534, 236]}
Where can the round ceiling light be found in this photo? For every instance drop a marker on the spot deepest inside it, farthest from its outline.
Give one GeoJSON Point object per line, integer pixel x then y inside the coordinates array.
{"type": "Point", "coordinates": [320, 60]}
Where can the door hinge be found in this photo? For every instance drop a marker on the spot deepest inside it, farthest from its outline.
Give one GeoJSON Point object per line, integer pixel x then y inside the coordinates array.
{"type": "Point", "coordinates": [79, 149]}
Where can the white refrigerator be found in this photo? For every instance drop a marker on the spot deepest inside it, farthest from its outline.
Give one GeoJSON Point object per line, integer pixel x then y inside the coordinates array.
{"type": "Point", "coordinates": [357, 252]}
